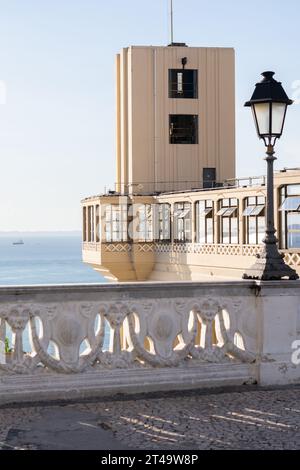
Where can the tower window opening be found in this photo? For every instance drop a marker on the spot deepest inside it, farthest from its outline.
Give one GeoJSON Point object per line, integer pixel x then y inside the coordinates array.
{"type": "Point", "coordinates": [183, 83]}
{"type": "Point", "coordinates": [183, 129]}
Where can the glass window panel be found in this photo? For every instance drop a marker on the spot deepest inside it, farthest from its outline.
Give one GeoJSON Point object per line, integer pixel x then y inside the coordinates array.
{"type": "Point", "coordinates": [201, 231]}
{"type": "Point", "coordinates": [233, 202]}
{"type": "Point", "coordinates": [293, 190]}
{"type": "Point", "coordinates": [293, 227]}
{"type": "Point", "coordinates": [164, 222]}
{"type": "Point", "coordinates": [180, 230]}
{"type": "Point", "coordinates": [205, 221]}
{"type": "Point", "coordinates": [251, 201]}
{"type": "Point", "coordinates": [278, 117]}
{"type": "Point", "coordinates": [261, 200]}
{"type": "Point", "coordinates": [116, 223]}
{"type": "Point", "coordinates": [291, 204]}
{"type": "Point", "coordinates": [166, 213]}
{"type": "Point", "coordinates": [230, 212]}
{"type": "Point", "coordinates": [234, 230]}
{"type": "Point", "coordinates": [108, 233]}
{"type": "Point", "coordinates": [261, 228]}
{"type": "Point", "coordinates": [149, 211]}
{"type": "Point", "coordinates": [293, 221]}
{"type": "Point", "coordinates": [225, 203]}
{"type": "Point", "coordinates": [201, 206]}
{"type": "Point", "coordinates": [181, 214]}
{"type": "Point", "coordinates": [248, 211]}
{"type": "Point", "coordinates": [225, 230]}
{"type": "Point", "coordinates": [177, 212]}
{"type": "Point", "coordinates": [187, 225]}
{"type": "Point", "coordinates": [294, 239]}
{"type": "Point", "coordinates": [182, 222]}
{"type": "Point", "coordinates": [205, 212]}
{"type": "Point", "coordinates": [186, 212]}
{"type": "Point", "coordinates": [141, 226]}
{"type": "Point", "coordinates": [210, 231]}
{"type": "Point", "coordinates": [252, 231]}
{"type": "Point", "coordinates": [116, 237]}
{"type": "Point", "coordinates": [222, 211]}
{"type": "Point", "coordinates": [167, 233]}
{"type": "Point", "coordinates": [145, 228]}
{"type": "Point", "coordinates": [257, 211]}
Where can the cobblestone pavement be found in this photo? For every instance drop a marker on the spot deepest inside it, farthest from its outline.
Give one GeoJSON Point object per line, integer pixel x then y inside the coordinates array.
{"type": "Point", "coordinates": [258, 419]}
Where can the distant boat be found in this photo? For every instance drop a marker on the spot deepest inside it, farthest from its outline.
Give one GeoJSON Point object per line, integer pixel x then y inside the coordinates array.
{"type": "Point", "coordinates": [18, 242]}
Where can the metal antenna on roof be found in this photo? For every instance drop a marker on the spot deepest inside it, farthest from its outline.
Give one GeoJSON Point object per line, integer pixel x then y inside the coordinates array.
{"type": "Point", "coordinates": [171, 19]}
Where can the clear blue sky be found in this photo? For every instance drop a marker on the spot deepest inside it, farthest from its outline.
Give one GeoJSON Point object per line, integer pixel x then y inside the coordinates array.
{"type": "Point", "coordinates": [57, 63]}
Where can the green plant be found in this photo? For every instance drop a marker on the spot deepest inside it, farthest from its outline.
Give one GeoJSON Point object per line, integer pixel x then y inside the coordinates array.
{"type": "Point", "coordinates": [7, 348]}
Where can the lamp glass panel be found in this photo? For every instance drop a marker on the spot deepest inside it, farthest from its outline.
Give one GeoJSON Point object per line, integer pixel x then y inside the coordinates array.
{"type": "Point", "coordinates": [262, 113]}
{"type": "Point", "coordinates": [278, 114]}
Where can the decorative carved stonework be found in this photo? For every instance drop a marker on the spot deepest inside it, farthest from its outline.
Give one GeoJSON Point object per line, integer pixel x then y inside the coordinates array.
{"type": "Point", "coordinates": [168, 325]}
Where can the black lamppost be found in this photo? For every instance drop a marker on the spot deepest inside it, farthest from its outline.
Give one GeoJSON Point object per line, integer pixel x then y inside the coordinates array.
{"type": "Point", "coordinates": [269, 104]}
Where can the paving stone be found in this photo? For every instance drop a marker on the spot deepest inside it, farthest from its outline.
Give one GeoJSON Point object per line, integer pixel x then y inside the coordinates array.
{"type": "Point", "coordinates": [260, 419]}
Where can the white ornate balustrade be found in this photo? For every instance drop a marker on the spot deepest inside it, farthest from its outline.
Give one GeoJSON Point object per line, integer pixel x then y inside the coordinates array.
{"type": "Point", "coordinates": [100, 339]}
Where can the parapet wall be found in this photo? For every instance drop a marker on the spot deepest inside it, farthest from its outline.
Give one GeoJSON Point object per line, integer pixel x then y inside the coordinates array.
{"type": "Point", "coordinates": [96, 340]}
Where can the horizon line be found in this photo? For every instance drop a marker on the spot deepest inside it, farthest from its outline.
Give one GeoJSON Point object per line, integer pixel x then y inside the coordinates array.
{"type": "Point", "coordinates": [39, 231]}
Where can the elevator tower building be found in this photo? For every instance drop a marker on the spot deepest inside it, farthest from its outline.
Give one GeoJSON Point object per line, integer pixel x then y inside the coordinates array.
{"type": "Point", "coordinates": [175, 118]}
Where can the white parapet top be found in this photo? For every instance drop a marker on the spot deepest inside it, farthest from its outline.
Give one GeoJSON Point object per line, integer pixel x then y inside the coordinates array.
{"type": "Point", "coordinates": [96, 340]}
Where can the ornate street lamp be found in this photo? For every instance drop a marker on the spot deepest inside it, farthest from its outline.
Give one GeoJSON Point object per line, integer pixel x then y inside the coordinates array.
{"type": "Point", "coordinates": [269, 104]}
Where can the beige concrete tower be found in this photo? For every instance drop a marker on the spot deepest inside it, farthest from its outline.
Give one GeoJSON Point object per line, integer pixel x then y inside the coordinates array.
{"type": "Point", "coordinates": [175, 118]}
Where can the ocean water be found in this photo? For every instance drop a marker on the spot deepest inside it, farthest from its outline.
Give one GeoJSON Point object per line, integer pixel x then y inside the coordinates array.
{"type": "Point", "coordinates": [44, 260]}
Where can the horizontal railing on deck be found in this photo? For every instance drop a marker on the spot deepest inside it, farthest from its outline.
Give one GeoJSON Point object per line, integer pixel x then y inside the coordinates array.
{"type": "Point", "coordinates": [292, 257]}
